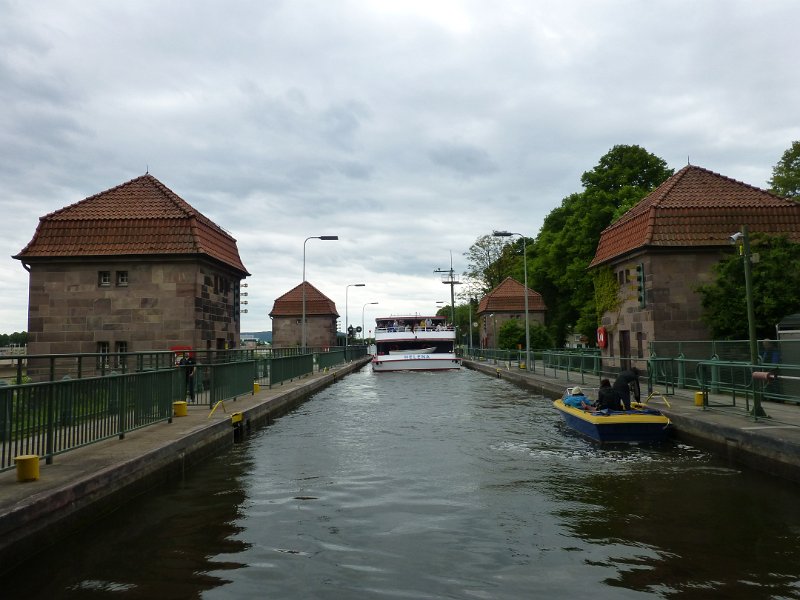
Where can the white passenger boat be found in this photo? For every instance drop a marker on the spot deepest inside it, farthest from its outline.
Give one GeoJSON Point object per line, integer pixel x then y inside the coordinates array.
{"type": "Point", "coordinates": [414, 343]}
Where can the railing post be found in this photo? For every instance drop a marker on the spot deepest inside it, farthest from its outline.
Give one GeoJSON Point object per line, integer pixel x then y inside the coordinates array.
{"type": "Point", "coordinates": [6, 396]}
{"type": "Point", "coordinates": [715, 374]}
{"type": "Point", "coordinates": [50, 426]}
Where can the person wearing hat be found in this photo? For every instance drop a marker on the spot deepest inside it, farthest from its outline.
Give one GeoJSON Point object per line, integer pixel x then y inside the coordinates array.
{"type": "Point", "coordinates": [577, 399]}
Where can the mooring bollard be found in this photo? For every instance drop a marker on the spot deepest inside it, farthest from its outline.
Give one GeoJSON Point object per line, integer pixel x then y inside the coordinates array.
{"type": "Point", "coordinates": [238, 426]}
{"type": "Point", "coordinates": [27, 467]}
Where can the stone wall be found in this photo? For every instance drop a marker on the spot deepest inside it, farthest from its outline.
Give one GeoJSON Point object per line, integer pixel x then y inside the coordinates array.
{"type": "Point", "coordinates": [320, 331]}
{"type": "Point", "coordinates": [145, 305]}
{"type": "Point", "coordinates": [672, 309]}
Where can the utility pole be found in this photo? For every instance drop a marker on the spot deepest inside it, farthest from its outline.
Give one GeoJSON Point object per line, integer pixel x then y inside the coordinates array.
{"type": "Point", "coordinates": [450, 279]}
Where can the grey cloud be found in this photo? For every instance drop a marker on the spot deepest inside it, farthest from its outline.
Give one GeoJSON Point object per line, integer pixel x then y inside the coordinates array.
{"type": "Point", "coordinates": [468, 161]}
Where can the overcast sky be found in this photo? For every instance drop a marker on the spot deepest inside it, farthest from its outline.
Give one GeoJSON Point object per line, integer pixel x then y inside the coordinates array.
{"type": "Point", "coordinates": [408, 128]}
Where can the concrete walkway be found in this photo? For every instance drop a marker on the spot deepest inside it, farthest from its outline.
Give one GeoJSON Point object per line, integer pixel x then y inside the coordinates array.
{"type": "Point", "coordinates": [770, 444]}
{"type": "Point", "coordinates": [81, 484]}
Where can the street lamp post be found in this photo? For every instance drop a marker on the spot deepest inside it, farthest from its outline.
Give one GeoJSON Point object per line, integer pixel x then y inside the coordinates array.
{"type": "Point", "coordinates": [525, 283]}
{"type": "Point", "coordinates": [747, 258]}
{"type": "Point", "coordinates": [362, 319]}
{"type": "Point", "coordinates": [346, 331]}
{"type": "Point", "coordinates": [303, 317]}
{"type": "Point", "coordinates": [469, 340]}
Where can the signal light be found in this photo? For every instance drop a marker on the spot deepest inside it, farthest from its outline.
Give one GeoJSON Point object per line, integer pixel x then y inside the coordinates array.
{"type": "Point", "coordinates": [640, 285]}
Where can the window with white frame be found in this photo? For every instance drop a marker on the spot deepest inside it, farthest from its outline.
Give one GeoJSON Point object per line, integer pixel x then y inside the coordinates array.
{"type": "Point", "coordinates": [102, 352]}
{"type": "Point", "coordinates": [121, 348]}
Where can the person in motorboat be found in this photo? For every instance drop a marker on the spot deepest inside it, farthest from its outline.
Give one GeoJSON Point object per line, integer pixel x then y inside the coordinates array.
{"type": "Point", "coordinates": [577, 399]}
{"type": "Point", "coordinates": [607, 397]}
{"type": "Point", "coordinates": [624, 383]}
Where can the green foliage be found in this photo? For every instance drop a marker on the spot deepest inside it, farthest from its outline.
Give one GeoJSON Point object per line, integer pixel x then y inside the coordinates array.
{"type": "Point", "coordinates": [19, 338]}
{"type": "Point", "coordinates": [785, 179]}
{"type": "Point", "coordinates": [559, 258]}
{"type": "Point", "coordinates": [775, 281]}
{"type": "Point", "coordinates": [625, 167]}
{"type": "Point", "coordinates": [540, 337]}
{"type": "Point", "coordinates": [511, 335]}
{"type": "Point", "coordinates": [606, 292]}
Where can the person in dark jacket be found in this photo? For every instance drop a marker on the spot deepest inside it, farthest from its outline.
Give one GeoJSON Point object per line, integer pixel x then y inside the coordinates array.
{"type": "Point", "coordinates": [188, 365]}
{"type": "Point", "coordinates": [624, 383]}
{"type": "Point", "coordinates": [607, 398]}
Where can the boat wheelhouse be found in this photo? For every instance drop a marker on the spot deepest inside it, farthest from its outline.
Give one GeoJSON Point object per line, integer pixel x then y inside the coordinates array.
{"type": "Point", "coordinates": [414, 343]}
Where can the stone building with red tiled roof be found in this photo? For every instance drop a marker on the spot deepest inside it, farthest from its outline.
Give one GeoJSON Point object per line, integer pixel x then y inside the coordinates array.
{"type": "Point", "coordinates": [321, 317]}
{"type": "Point", "coordinates": [506, 302]}
{"type": "Point", "coordinates": [674, 236]}
{"type": "Point", "coordinates": [133, 268]}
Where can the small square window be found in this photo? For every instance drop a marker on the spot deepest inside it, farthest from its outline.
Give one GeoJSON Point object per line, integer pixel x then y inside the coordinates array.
{"type": "Point", "coordinates": [104, 278]}
{"type": "Point", "coordinates": [122, 278]}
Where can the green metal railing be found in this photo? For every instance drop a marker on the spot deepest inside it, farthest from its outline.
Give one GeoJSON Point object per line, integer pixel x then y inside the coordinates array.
{"type": "Point", "coordinates": [53, 417]}
{"type": "Point", "coordinates": [50, 417]}
{"type": "Point", "coordinates": [697, 370]}
{"type": "Point", "coordinates": [286, 368]}
{"type": "Point", "coordinates": [326, 360]}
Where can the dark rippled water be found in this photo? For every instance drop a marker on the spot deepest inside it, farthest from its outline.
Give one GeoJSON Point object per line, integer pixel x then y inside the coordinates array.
{"type": "Point", "coordinates": [438, 485]}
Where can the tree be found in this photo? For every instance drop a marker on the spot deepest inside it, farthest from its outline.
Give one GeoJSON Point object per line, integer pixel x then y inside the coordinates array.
{"type": "Point", "coordinates": [540, 337]}
{"type": "Point", "coordinates": [18, 338]}
{"type": "Point", "coordinates": [785, 179]}
{"type": "Point", "coordinates": [566, 244]}
{"type": "Point", "coordinates": [486, 265]}
{"type": "Point", "coordinates": [775, 281]}
{"type": "Point", "coordinates": [511, 335]}
{"type": "Point", "coordinates": [625, 167]}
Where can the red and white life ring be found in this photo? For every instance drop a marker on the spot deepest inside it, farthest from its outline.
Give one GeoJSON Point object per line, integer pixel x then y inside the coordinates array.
{"type": "Point", "coordinates": [602, 338]}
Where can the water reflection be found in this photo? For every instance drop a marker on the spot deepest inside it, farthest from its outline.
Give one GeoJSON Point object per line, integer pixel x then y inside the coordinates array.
{"type": "Point", "coordinates": [440, 485]}
{"type": "Point", "coordinates": [160, 546]}
{"type": "Point", "coordinates": [682, 525]}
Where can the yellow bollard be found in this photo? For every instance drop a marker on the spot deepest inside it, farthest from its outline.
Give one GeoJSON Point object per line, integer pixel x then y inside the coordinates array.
{"type": "Point", "coordinates": [256, 387]}
{"type": "Point", "coordinates": [27, 467]}
{"type": "Point", "coordinates": [181, 408]}
{"type": "Point", "coordinates": [698, 398]}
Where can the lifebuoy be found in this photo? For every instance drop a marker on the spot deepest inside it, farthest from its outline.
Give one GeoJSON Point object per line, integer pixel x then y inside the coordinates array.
{"type": "Point", "coordinates": [602, 338]}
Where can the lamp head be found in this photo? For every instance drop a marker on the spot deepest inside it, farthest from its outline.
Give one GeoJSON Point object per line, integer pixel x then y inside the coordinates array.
{"type": "Point", "coordinates": [329, 237]}
{"type": "Point", "coordinates": [502, 233]}
{"type": "Point", "coordinates": [736, 237]}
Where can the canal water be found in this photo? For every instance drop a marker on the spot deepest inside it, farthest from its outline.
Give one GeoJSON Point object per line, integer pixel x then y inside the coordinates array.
{"type": "Point", "coordinates": [436, 485]}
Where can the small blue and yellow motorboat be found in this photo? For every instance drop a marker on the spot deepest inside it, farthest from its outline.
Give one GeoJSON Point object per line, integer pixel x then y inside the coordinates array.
{"type": "Point", "coordinates": [641, 424]}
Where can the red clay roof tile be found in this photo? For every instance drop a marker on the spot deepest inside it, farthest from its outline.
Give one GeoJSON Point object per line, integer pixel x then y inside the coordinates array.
{"type": "Point", "coordinates": [139, 217]}
{"type": "Point", "coordinates": [510, 296]}
{"type": "Point", "coordinates": [291, 303]}
{"type": "Point", "coordinates": [697, 207]}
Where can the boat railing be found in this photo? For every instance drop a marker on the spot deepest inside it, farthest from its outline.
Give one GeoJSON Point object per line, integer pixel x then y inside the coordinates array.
{"type": "Point", "coordinates": [409, 328]}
